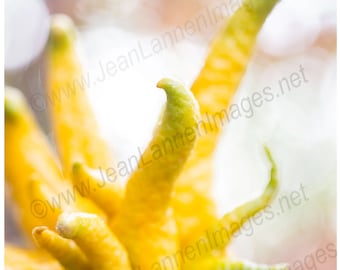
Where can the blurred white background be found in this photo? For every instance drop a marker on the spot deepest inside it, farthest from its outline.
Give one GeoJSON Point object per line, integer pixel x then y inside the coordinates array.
{"type": "Point", "coordinates": [298, 126]}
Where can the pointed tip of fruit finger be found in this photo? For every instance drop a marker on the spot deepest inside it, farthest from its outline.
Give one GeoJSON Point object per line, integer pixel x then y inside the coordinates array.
{"type": "Point", "coordinates": [62, 32]}
{"type": "Point", "coordinates": [39, 230]}
{"type": "Point", "coordinates": [13, 103]}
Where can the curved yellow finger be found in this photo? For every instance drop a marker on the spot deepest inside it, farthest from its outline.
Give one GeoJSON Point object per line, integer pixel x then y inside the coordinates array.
{"type": "Point", "coordinates": [214, 89]}
{"type": "Point", "coordinates": [145, 221]}
{"type": "Point", "coordinates": [101, 247]}
{"type": "Point", "coordinates": [102, 191]}
{"type": "Point", "coordinates": [64, 250]}
{"type": "Point", "coordinates": [229, 56]}
{"type": "Point", "coordinates": [25, 143]}
{"type": "Point", "coordinates": [76, 130]}
{"type": "Point", "coordinates": [223, 231]}
{"type": "Point", "coordinates": [21, 259]}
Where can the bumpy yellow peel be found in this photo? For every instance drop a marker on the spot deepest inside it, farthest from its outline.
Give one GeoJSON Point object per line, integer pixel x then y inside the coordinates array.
{"type": "Point", "coordinates": [76, 131]}
{"type": "Point", "coordinates": [39, 181]}
{"type": "Point", "coordinates": [139, 229]}
{"type": "Point", "coordinates": [94, 238]}
{"type": "Point", "coordinates": [214, 89]}
{"type": "Point", "coordinates": [64, 250]}
{"type": "Point", "coordinates": [26, 146]}
{"type": "Point", "coordinates": [145, 222]}
{"type": "Point", "coordinates": [101, 190]}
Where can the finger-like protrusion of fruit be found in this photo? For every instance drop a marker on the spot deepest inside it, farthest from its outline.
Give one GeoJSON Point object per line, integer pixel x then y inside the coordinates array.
{"type": "Point", "coordinates": [145, 221]}
{"type": "Point", "coordinates": [98, 243]}
{"type": "Point", "coordinates": [64, 250]}
{"type": "Point", "coordinates": [102, 188]}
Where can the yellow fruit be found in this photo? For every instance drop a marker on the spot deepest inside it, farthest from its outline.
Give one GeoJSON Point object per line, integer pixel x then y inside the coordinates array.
{"type": "Point", "coordinates": [166, 206]}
